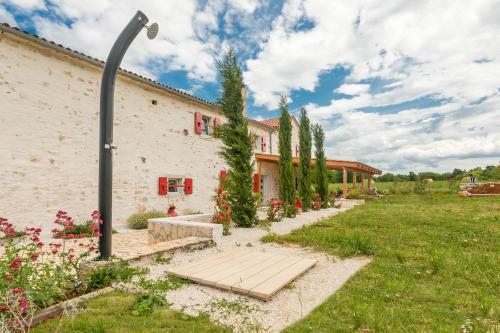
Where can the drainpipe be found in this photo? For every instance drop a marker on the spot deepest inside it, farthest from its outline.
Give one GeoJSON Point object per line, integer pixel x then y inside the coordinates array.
{"type": "Point", "coordinates": [106, 146]}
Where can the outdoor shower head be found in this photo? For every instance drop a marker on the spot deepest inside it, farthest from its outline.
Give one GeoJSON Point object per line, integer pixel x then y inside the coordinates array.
{"type": "Point", "coordinates": [152, 30]}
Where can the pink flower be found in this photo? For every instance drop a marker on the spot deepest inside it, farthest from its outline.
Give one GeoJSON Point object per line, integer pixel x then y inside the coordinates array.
{"type": "Point", "coordinates": [35, 239]}
{"type": "Point", "coordinates": [71, 256]}
{"type": "Point", "coordinates": [39, 244]}
{"type": "Point", "coordinates": [55, 230]}
{"type": "Point", "coordinates": [23, 304]}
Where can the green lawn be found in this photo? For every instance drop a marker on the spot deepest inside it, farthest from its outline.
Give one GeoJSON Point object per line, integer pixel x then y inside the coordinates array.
{"type": "Point", "coordinates": [436, 265]}
{"type": "Point", "coordinates": [112, 313]}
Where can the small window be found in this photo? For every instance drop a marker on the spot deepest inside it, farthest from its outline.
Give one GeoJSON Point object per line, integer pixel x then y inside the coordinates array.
{"type": "Point", "coordinates": [173, 185]}
{"type": "Point", "coordinates": [154, 102]}
{"type": "Point", "coordinates": [206, 126]}
{"type": "Point", "coordinates": [257, 140]}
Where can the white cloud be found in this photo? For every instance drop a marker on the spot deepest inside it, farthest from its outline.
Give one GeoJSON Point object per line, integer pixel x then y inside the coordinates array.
{"type": "Point", "coordinates": [26, 5]}
{"type": "Point", "coordinates": [420, 48]}
{"type": "Point", "coordinates": [96, 25]}
{"type": "Point", "coordinates": [353, 89]}
{"type": "Point", "coordinates": [6, 17]}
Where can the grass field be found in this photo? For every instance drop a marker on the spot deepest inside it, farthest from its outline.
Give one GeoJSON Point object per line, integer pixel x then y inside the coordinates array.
{"type": "Point", "coordinates": [436, 265]}
{"type": "Point", "coordinates": [451, 186]}
{"type": "Point", "coordinates": [435, 268]}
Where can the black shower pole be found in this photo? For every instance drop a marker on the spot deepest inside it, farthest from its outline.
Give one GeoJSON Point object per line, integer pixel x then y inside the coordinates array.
{"type": "Point", "coordinates": [106, 146]}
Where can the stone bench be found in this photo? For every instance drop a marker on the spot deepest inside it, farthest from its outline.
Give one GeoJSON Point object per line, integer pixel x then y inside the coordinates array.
{"type": "Point", "coordinates": [169, 228]}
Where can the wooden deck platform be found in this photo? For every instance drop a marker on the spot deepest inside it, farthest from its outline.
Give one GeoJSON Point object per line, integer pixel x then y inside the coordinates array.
{"type": "Point", "coordinates": [252, 273]}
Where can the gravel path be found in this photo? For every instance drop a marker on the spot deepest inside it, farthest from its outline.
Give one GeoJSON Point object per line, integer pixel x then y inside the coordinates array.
{"type": "Point", "coordinates": [297, 300]}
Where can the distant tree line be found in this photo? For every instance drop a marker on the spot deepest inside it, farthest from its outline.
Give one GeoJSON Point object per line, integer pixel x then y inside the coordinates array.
{"type": "Point", "coordinates": [490, 172]}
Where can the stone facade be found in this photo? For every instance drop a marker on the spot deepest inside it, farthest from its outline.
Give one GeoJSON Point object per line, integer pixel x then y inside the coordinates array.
{"type": "Point", "coordinates": [49, 122]}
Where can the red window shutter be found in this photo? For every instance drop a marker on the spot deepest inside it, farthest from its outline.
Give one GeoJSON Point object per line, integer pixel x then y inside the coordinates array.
{"type": "Point", "coordinates": [162, 185]}
{"type": "Point", "coordinates": [197, 122]}
{"type": "Point", "coordinates": [223, 175]}
{"type": "Point", "coordinates": [188, 186]}
{"type": "Point", "coordinates": [256, 183]}
{"type": "Point", "coordinates": [216, 122]}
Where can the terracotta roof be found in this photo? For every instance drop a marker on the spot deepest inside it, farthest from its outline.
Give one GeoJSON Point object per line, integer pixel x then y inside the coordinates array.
{"type": "Point", "coordinates": [275, 122]}
{"type": "Point", "coordinates": [271, 122]}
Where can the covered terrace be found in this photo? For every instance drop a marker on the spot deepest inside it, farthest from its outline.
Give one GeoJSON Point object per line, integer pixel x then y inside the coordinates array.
{"type": "Point", "coordinates": [365, 170]}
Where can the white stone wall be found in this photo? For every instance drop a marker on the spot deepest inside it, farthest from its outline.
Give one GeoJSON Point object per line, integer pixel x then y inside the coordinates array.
{"type": "Point", "coordinates": [49, 123]}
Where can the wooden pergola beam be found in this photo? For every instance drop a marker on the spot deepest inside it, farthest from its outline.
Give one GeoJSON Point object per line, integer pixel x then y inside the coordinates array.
{"type": "Point", "coordinates": [338, 165]}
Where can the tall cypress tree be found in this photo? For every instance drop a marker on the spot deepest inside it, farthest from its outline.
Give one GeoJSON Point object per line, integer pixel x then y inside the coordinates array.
{"type": "Point", "coordinates": [321, 173]}
{"type": "Point", "coordinates": [305, 142]}
{"type": "Point", "coordinates": [237, 149]}
{"type": "Point", "coordinates": [287, 188]}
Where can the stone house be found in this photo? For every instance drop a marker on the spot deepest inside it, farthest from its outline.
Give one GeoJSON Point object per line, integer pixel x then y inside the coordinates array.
{"type": "Point", "coordinates": [166, 152]}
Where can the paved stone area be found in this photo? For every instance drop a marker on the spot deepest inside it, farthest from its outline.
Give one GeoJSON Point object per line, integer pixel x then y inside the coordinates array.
{"type": "Point", "coordinates": [134, 245]}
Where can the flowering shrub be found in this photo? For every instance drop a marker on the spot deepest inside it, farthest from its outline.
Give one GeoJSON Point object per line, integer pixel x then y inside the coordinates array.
{"type": "Point", "coordinates": [34, 275]}
{"type": "Point", "coordinates": [71, 230]}
{"type": "Point", "coordinates": [298, 205]}
{"type": "Point", "coordinates": [222, 214]}
{"type": "Point", "coordinates": [171, 211]}
{"type": "Point", "coordinates": [316, 202]}
{"type": "Point", "coordinates": [275, 210]}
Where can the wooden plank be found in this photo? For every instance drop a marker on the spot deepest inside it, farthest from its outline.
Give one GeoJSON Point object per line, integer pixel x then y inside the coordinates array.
{"type": "Point", "coordinates": [269, 287]}
{"type": "Point", "coordinates": [245, 285]}
{"type": "Point", "coordinates": [233, 280]}
{"type": "Point", "coordinates": [186, 269]}
{"type": "Point", "coordinates": [236, 268]}
{"type": "Point", "coordinates": [204, 273]}
{"type": "Point", "coordinates": [204, 263]}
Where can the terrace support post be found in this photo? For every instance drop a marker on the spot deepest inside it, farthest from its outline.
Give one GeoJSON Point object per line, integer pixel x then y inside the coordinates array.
{"type": "Point", "coordinates": [106, 129]}
{"type": "Point", "coordinates": [259, 180]}
{"type": "Point", "coordinates": [354, 180]}
{"type": "Point", "coordinates": [362, 182]}
{"type": "Point", "coordinates": [370, 182]}
{"type": "Point", "coordinates": [344, 182]}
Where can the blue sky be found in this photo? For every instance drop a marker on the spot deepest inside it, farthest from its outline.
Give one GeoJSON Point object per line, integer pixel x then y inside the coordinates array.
{"type": "Point", "coordinates": [400, 85]}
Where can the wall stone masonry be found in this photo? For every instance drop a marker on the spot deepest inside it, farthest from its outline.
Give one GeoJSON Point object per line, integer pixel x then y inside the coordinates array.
{"type": "Point", "coordinates": [168, 229]}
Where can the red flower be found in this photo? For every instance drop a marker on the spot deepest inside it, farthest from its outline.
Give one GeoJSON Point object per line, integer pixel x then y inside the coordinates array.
{"type": "Point", "coordinates": [17, 291]}
{"type": "Point", "coordinates": [71, 256]}
{"type": "Point", "coordinates": [16, 264]}
{"type": "Point", "coordinates": [39, 244]}
{"type": "Point", "coordinates": [34, 256]}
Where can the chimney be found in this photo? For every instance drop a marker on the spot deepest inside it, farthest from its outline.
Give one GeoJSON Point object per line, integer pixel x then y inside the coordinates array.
{"type": "Point", "coordinates": [244, 97]}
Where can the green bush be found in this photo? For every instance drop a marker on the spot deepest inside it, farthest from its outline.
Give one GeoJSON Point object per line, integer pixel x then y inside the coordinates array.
{"type": "Point", "coordinates": [354, 194]}
{"type": "Point", "coordinates": [118, 271]}
{"type": "Point", "coordinates": [140, 220]}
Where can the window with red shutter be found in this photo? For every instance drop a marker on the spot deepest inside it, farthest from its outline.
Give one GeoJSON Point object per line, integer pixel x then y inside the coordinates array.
{"type": "Point", "coordinates": [256, 183]}
{"type": "Point", "coordinates": [223, 175]}
{"type": "Point", "coordinates": [197, 122]}
{"type": "Point", "coordinates": [162, 185]}
{"type": "Point", "coordinates": [188, 186]}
